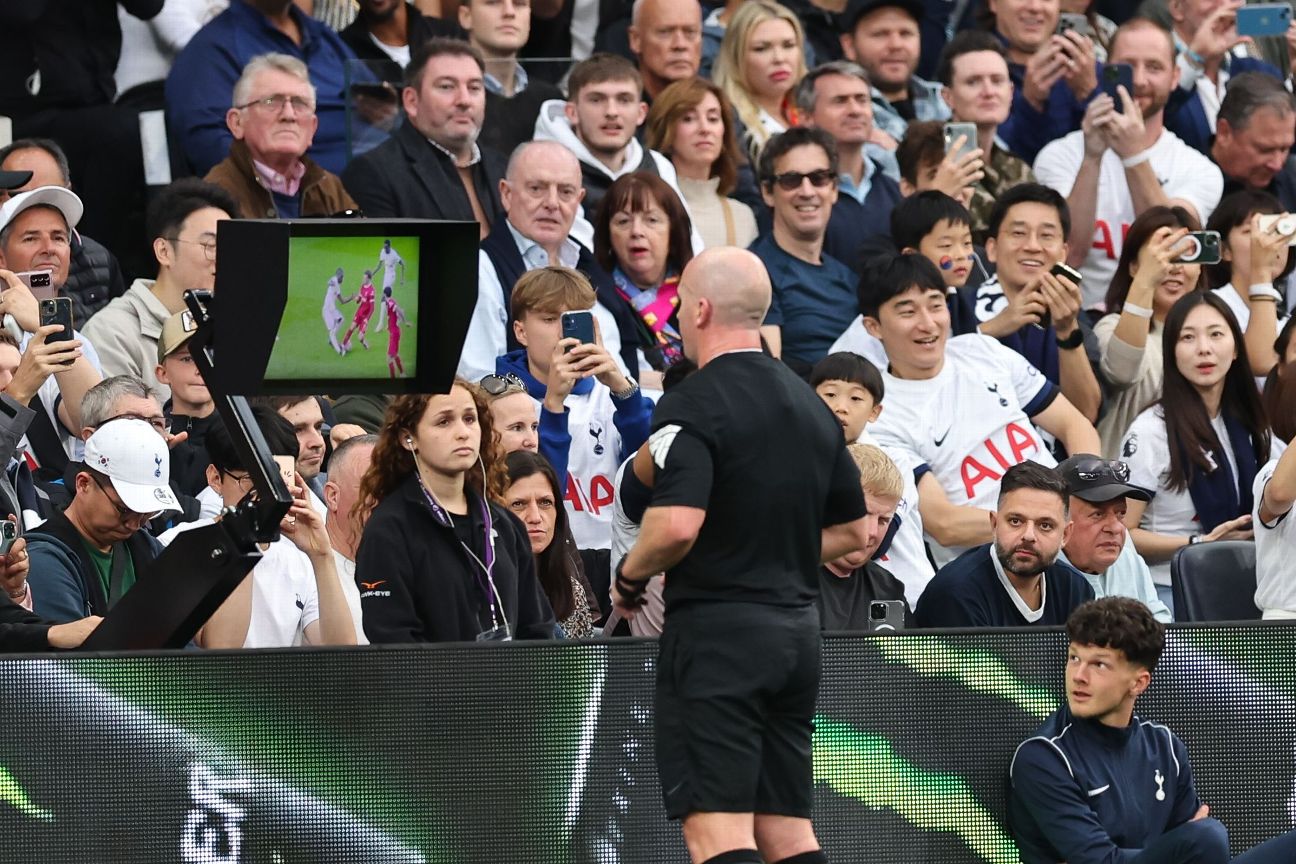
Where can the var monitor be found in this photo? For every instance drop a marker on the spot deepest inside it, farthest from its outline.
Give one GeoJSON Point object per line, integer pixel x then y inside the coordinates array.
{"type": "Point", "coordinates": [342, 306]}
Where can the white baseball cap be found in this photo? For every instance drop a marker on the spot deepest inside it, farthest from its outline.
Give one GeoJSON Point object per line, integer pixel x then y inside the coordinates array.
{"type": "Point", "coordinates": [135, 458]}
{"type": "Point", "coordinates": [63, 200]}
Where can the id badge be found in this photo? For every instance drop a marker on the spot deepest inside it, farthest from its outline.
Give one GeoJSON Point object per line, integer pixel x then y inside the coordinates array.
{"type": "Point", "coordinates": [498, 633]}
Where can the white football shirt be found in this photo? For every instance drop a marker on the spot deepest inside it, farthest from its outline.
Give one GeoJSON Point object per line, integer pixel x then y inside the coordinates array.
{"type": "Point", "coordinates": [388, 259]}
{"type": "Point", "coordinates": [1183, 172]}
{"type": "Point", "coordinates": [1275, 542]}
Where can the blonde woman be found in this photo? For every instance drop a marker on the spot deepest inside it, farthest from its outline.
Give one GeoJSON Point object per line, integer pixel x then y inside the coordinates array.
{"type": "Point", "coordinates": [762, 57]}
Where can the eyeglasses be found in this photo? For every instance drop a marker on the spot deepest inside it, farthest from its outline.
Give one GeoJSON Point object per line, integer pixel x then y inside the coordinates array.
{"type": "Point", "coordinates": [790, 181]}
{"type": "Point", "coordinates": [244, 482]}
{"type": "Point", "coordinates": [275, 104]}
{"type": "Point", "coordinates": [1098, 469]}
{"type": "Point", "coordinates": [499, 385]}
{"type": "Point", "coordinates": [124, 513]}
{"type": "Point", "coordinates": [208, 246]}
{"type": "Point", "coordinates": [157, 421]}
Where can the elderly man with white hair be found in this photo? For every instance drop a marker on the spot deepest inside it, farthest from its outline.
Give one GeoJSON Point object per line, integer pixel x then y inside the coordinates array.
{"type": "Point", "coordinates": [273, 122]}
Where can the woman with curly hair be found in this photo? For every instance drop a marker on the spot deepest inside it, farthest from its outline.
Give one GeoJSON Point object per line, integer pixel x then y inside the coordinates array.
{"type": "Point", "coordinates": [439, 560]}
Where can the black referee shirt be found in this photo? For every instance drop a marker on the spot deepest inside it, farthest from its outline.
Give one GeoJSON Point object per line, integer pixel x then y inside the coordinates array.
{"type": "Point", "coordinates": [748, 441]}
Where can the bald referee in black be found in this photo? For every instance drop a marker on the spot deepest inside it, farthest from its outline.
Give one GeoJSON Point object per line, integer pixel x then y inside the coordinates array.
{"type": "Point", "coordinates": [753, 489]}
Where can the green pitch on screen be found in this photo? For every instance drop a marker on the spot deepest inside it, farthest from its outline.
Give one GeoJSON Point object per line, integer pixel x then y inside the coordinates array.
{"type": "Point", "coordinates": [302, 348]}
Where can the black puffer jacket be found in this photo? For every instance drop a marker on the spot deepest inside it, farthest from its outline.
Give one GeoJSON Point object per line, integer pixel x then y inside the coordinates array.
{"type": "Point", "coordinates": [94, 278]}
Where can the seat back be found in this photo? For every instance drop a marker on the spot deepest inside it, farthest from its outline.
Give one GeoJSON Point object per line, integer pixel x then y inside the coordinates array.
{"type": "Point", "coordinates": [1215, 581]}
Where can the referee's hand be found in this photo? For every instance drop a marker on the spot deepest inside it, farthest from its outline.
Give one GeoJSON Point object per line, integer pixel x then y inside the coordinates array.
{"type": "Point", "coordinates": [627, 608]}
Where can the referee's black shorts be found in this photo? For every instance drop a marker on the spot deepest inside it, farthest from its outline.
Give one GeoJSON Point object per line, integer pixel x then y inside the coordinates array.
{"type": "Point", "coordinates": [736, 689]}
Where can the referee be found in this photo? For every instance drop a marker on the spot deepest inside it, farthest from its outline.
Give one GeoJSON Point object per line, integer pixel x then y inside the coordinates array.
{"type": "Point", "coordinates": [753, 490]}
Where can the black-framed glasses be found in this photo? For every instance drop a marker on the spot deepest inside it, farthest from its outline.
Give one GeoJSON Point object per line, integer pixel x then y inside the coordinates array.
{"type": "Point", "coordinates": [499, 385]}
{"type": "Point", "coordinates": [244, 482]}
{"type": "Point", "coordinates": [1101, 469]}
{"type": "Point", "coordinates": [275, 104]}
{"type": "Point", "coordinates": [208, 246]}
{"type": "Point", "coordinates": [124, 513]}
{"type": "Point", "coordinates": [790, 181]}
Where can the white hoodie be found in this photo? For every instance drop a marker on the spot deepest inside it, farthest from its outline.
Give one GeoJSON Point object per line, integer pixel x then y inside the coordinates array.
{"type": "Point", "coordinates": [552, 125]}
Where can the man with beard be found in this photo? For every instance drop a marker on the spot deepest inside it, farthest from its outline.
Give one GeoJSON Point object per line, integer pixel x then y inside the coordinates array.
{"type": "Point", "coordinates": [1123, 160]}
{"type": "Point", "coordinates": [1015, 581]}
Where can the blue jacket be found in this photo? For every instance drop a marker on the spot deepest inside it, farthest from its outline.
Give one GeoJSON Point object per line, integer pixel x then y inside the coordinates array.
{"type": "Point", "coordinates": [1027, 130]}
{"type": "Point", "coordinates": [1186, 116]}
{"type": "Point", "coordinates": [65, 584]}
{"type": "Point", "coordinates": [1086, 793]}
{"type": "Point", "coordinates": [201, 84]}
{"type": "Point", "coordinates": [852, 224]}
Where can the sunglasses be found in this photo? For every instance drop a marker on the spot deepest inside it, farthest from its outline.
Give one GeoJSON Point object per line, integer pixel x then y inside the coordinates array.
{"type": "Point", "coordinates": [790, 181]}
{"type": "Point", "coordinates": [1102, 470]}
{"type": "Point", "coordinates": [499, 385]}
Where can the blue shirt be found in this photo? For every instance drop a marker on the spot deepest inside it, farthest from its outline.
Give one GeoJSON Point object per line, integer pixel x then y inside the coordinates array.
{"type": "Point", "coordinates": [860, 216]}
{"type": "Point", "coordinates": [199, 90]}
{"type": "Point", "coordinates": [969, 592]}
{"type": "Point", "coordinates": [1086, 792]}
{"type": "Point", "coordinates": [1128, 576]}
{"type": "Point", "coordinates": [811, 304]}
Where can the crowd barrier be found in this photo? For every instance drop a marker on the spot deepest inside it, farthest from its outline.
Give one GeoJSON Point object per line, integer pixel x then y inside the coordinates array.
{"type": "Point", "coordinates": [543, 753]}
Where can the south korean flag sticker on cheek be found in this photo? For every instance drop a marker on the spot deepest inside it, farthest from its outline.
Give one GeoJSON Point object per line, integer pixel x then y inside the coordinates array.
{"type": "Point", "coordinates": [659, 444]}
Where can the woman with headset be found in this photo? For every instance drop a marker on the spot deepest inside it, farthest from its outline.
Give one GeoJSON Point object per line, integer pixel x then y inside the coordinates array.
{"type": "Point", "coordinates": [439, 561]}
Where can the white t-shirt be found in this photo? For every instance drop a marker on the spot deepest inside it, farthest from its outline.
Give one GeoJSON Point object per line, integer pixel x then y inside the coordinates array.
{"type": "Point", "coordinates": [285, 600]}
{"type": "Point", "coordinates": [859, 340]}
{"type": "Point", "coordinates": [346, 575]}
{"type": "Point", "coordinates": [389, 259]}
{"type": "Point", "coordinates": [1146, 450]}
{"type": "Point", "coordinates": [1183, 172]}
{"type": "Point", "coordinates": [1275, 545]}
{"type": "Point", "coordinates": [400, 54]}
{"type": "Point", "coordinates": [969, 424]}
{"type": "Point", "coordinates": [906, 560]}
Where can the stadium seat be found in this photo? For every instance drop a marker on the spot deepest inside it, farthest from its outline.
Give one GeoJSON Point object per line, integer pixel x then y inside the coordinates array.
{"type": "Point", "coordinates": [1215, 582]}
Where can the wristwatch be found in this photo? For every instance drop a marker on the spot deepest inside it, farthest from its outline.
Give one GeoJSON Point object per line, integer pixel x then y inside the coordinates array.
{"type": "Point", "coordinates": [1075, 340]}
{"type": "Point", "coordinates": [625, 394]}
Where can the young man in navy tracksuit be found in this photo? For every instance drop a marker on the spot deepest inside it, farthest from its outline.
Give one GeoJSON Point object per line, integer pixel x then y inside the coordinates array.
{"type": "Point", "coordinates": [1096, 783]}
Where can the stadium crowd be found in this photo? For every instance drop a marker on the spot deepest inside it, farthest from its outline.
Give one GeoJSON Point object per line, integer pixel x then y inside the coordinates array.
{"type": "Point", "coordinates": [980, 220]}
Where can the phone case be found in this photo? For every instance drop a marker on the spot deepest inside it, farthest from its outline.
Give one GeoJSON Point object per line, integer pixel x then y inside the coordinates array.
{"type": "Point", "coordinates": [1266, 19]}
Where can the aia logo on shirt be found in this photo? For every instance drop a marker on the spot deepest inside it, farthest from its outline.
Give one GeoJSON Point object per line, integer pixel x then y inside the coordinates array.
{"type": "Point", "coordinates": [989, 462]}
{"type": "Point", "coordinates": [1103, 240]}
{"type": "Point", "coordinates": [589, 497]}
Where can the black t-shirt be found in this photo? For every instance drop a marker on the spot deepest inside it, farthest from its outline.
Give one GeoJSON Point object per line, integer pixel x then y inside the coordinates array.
{"type": "Point", "coordinates": [844, 600]}
{"type": "Point", "coordinates": [748, 441]}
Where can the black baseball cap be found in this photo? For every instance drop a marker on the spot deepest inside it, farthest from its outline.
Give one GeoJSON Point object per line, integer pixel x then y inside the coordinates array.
{"type": "Point", "coordinates": [14, 179]}
{"type": "Point", "coordinates": [857, 9]}
{"type": "Point", "coordinates": [1097, 480]}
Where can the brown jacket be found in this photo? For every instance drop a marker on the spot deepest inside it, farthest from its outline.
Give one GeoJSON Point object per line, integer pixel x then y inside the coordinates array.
{"type": "Point", "coordinates": [321, 192]}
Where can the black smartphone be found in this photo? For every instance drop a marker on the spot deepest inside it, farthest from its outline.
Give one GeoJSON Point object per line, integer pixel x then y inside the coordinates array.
{"type": "Point", "coordinates": [886, 616]}
{"type": "Point", "coordinates": [57, 310]}
{"type": "Point", "coordinates": [1203, 247]}
{"type": "Point", "coordinates": [578, 325]}
{"type": "Point", "coordinates": [1117, 75]}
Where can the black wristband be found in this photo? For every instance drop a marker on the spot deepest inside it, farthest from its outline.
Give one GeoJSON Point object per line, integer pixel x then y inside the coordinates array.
{"type": "Point", "coordinates": [1075, 340]}
{"type": "Point", "coordinates": [632, 591]}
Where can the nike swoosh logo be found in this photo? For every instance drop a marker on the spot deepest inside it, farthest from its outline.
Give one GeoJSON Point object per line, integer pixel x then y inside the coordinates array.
{"type": "Point", "coordinates": [941, 440]}
{"type": "Point", "coordinates": [1101, 789]}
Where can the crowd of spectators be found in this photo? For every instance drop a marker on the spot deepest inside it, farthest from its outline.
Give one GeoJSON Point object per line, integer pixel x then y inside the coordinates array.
{"type": "Point", "coordinates": [981, 251]}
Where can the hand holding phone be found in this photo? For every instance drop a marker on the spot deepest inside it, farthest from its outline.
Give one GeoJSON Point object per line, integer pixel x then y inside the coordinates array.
{"type": "Point", "coordinates": [578, 325]}
{"type": "Point", "coordinates": [1201, 247]}
{"type": "Point", "coordinates": [1115, 76]}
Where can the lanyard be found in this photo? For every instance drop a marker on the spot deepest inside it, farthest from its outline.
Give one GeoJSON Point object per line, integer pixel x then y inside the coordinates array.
{"type": "Point", "coordinates": [486, 584]}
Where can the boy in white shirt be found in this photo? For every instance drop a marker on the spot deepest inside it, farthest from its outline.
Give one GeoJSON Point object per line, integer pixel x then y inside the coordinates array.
{"type": "Point", "coordinates": [962, 411]}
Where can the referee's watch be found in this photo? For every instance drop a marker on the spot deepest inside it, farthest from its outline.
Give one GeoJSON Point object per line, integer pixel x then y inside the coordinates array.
{"type": "Point", "coordinates": [622, 395]}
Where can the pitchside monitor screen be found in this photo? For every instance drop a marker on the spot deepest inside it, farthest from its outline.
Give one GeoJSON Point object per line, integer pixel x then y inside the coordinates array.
{"type": "Point", "coordinates": [342, 306]}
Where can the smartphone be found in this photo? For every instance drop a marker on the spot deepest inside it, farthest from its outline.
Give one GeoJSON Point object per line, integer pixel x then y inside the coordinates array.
{"type": "Point", "coordinates": [1203, 248]}
{"type": "Point", "coordinates": [952, 133]}
{"type": "Point", "coordinates": [1063, 271]}
{"type": "Point", "coordinates": [886, 616]}
{"type": "Point", "coordinates": [57, 310]}
{"type": "Point", "coordinates": [8, 534]}
{"type": "Point", "coordinates": [1074, 21]}
{"type": "Point", "coordinates": [1264, 19]}
{"type": "Point", "coordinates": [39, 282]}
{"type": "Point", "coordinates": [1280, 223]}
{"type": "Point", "coordinates": [578, 325]}
{"type": "Point", "coordinates": [1116, 75]}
